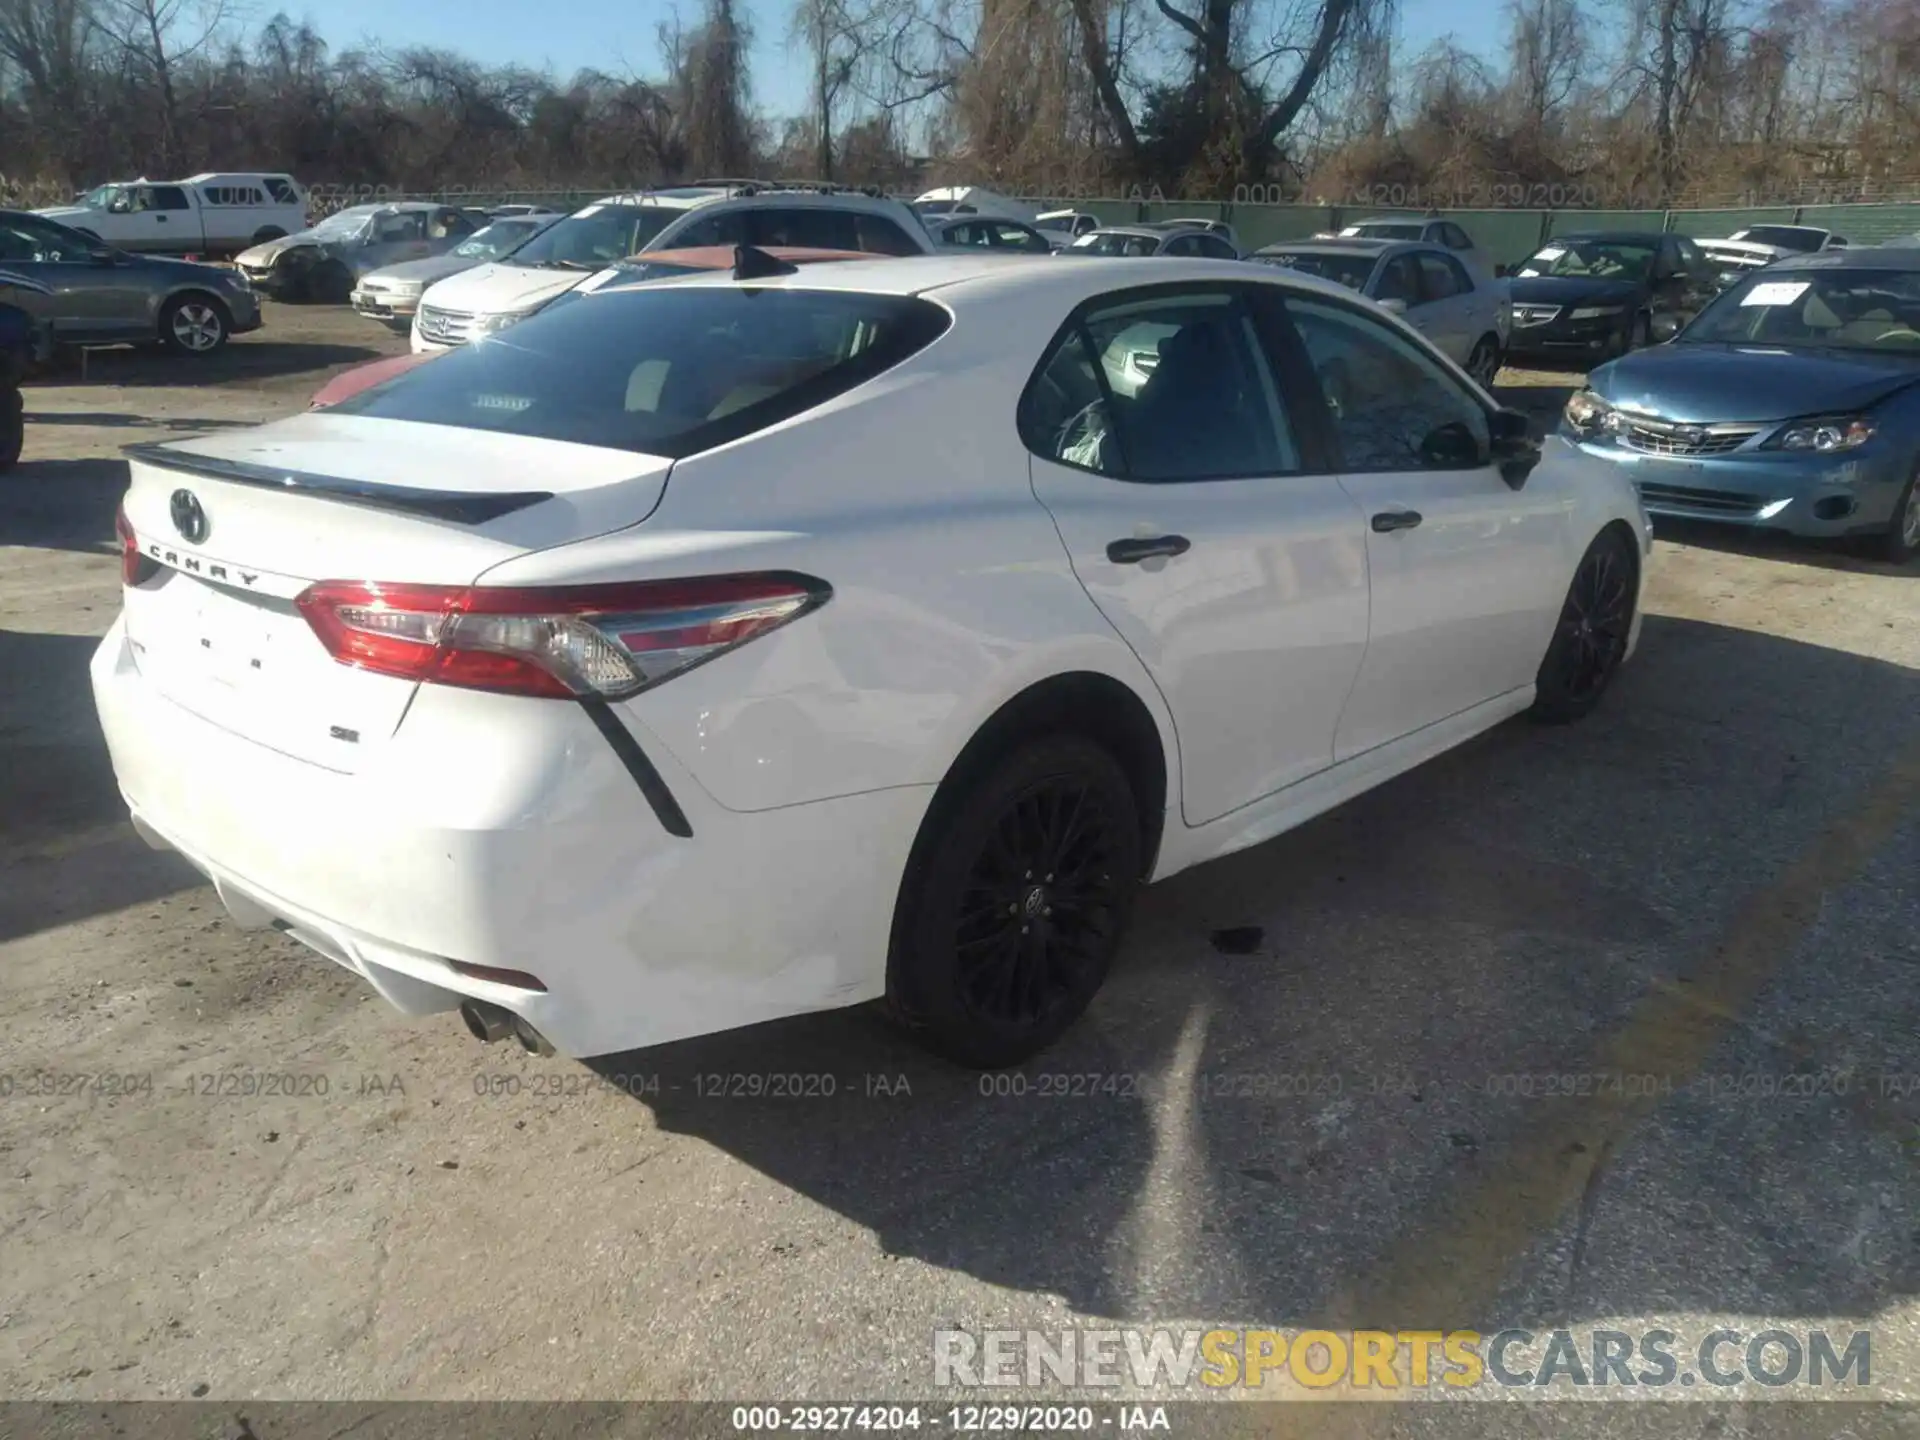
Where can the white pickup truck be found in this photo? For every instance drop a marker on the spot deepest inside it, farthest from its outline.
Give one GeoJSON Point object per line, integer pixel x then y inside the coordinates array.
{"type": "Point", "coordinates": [202, 215]}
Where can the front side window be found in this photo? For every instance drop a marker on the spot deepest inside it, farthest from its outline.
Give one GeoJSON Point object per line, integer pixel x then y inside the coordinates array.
{"type": "Point", "coordinates": [169, 197]}
{"type": "Point", "coordinates": [1015, 237]}
{"type": "Point", "coordinates": [1392, 407]}
{"type": "Point", "coordinates": [1441, 278]}
{"type": "Point", "coordinates": [1399, 280]}
{"type": "Point", "coordinates": [1165, 389]}
{"type": "Point", "coordinates": [664, 370]}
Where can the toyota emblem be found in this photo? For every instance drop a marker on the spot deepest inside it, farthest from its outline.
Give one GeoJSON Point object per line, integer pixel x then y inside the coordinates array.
{"type": "Point", "coordinates": [188, 518]}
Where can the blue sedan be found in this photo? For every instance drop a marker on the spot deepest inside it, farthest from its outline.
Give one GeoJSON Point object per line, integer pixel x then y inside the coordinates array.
{"type": "Point", "coordinates": [1792, 403]}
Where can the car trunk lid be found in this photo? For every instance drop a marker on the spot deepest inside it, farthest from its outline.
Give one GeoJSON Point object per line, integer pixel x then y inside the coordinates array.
{"type": "Point", "coordinates": [236, 526]}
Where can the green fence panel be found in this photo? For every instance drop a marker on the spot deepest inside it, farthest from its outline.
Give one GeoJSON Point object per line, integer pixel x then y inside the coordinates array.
{"type": "Point", "coordinates": [1185, 210]}
{"type": "Point", "coordinates": [1865, 224]}
{"type": "Point", "coordinates": [1108, 212]}
{"type": "Point", "coordinates": [1509, 236]}
{"type": "Point", "coordinates": [1259, 225]}
{"type": "Point", "coordinates": [1575, 222]}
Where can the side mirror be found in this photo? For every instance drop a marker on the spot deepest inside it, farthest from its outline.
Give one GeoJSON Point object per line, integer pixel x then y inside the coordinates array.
{"type": "Point", "coordinates": [1515, 450]}
{"type": "Point", "coordinates": [1393, 307]}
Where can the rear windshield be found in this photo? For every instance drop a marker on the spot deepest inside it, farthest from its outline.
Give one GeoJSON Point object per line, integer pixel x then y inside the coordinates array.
{"type": "Point", "coordinates": [666, 370]}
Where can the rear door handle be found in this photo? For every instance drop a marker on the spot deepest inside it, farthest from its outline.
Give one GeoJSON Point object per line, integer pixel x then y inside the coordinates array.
{"type": "Point", "coordinates": [1132, 552]}
{"type": "Point", "coordinates": [1389, 520]}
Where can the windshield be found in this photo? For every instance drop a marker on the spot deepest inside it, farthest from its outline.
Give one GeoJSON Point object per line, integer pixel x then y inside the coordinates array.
{"type": "Point", "coordinates": [1870, 310]}
{"type": "Point", "coordinates": [1592, 260]}
{"type": "Point", "coordinates": [596, 237]}
{"type": "Point", "coordinates": [1385, 230]}
{"type": "Point", "coordinates": [1348, 270]}
{"type": "Point", "coordinates": [500, 238]}
{"type": "Point", "coordinates": [100, 197]}
{"type": "Point", "coordinates": [1106, 242]}
{"type": "Point", "coordinates": [345, 224]}
{"type": "Point", "coordinates": [666, 370]}
{"type": "Point", "coordinates": [1787, 237]}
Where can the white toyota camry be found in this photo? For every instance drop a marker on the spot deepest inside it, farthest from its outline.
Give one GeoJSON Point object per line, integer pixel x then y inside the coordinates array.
{"type": "Point", "coordinates": [753, 644]}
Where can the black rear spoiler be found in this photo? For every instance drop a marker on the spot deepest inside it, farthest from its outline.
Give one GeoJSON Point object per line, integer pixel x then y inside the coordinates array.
{"type": "Point", "coordinates": [464, 507]}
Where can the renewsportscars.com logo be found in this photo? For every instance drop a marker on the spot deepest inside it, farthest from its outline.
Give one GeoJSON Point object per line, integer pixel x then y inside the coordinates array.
{"type": "Point", "coordinates": [1378, 1361]}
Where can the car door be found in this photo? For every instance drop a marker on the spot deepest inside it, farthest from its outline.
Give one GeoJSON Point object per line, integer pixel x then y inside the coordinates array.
{"type": "Point", "coordinates": [1467, 574]}
{"type": "Point", "coordinates": [1447, 304]}
{"type": "Point", "coordinates": [1222, 549]}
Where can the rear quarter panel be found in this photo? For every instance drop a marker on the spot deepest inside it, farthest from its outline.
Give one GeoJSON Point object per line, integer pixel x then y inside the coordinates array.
{"type": "Point", "coordinates": [952, 590]}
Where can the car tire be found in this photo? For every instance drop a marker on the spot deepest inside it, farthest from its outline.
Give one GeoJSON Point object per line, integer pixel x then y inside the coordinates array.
{"type": "Point", "coordinates": [1484, 363]}
{"type": "Point", "coordinates": [1590, 638]}
{"type": "Point", "coordinates": [1015, 901]}
{"type": "Point", "coordinates": [194, 324]}
{"type": "Point", "coordinates": [1902, 541]}
{"type": "Point", "coordinates": [329, 283]}
{"type": "Point", "coordinates": [13, 427]}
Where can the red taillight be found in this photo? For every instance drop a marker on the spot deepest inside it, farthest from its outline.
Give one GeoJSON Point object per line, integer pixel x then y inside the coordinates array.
{"type": "Point", "coordinates": [588, 640]}
{"type": "Point", "coordinates": [135, 568]}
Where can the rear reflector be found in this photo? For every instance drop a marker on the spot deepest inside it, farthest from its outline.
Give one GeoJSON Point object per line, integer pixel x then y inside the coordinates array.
{"type": "Point", "coordinates": [135, 568]}
{"type": "Point", "coordinates": [565, 642]}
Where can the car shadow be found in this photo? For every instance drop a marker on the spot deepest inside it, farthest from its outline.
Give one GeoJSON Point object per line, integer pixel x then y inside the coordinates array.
{"type": "Point", "coordinates": [62, 504]}
{"type": "Point", "coordinates": [245, 357]}
{"type": "Point", "coordinates": [109, 420]}
{"type": "Point", "coordinates": [1288, 1093]}
{"type": "Point", "coordinates": [67, 850]}
{"type": "Point", "coordinates": [1847, 555]}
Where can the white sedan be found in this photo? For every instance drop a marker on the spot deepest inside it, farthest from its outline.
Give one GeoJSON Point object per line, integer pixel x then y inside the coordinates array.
{"type": "Point", "coordinates": [762, 643]}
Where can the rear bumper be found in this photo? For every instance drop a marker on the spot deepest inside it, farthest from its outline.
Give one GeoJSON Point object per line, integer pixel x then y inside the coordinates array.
{"type": "Point", "coordinates": [507, 833]}
{"type": "Point", "coordinates": [1815, 497]}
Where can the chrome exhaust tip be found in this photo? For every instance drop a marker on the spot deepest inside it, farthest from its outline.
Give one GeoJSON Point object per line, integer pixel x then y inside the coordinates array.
{"type": "Point", "coordinates": [487, 1023]}
{"type": "Point", "coordinates": [531, 1040]}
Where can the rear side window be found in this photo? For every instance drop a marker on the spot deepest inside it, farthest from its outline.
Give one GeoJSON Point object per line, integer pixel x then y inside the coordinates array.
{"type": "Point", "coordinates": [810, 229]}
{"type": "Point", "coordinates": [877, 235]}
{"type": "Point", "coordinates": [667, 371]}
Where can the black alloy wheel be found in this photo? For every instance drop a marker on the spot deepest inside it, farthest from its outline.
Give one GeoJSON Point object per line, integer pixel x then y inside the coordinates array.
{"type": "Point", "coordinates": [1013, 919]}
{"type": "Point", "coordinates": [1590, 640]}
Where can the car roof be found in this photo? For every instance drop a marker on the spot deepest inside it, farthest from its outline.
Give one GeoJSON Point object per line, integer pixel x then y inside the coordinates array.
{"type": "Point", "coordinates": [1139, 232]}
{"type": "Point", "coordinates": [955, 274]}
{"type": "Point", "coordinates": [1418, 221]}
{"type": "Point", "coordinates": [1636, 237]}
{"type": "Point", "coordinates": [722, 257]}
{"type": "Point", "coordinates": [1342, 245]}
{"type": "Point", "coordinates": [1904, 257]}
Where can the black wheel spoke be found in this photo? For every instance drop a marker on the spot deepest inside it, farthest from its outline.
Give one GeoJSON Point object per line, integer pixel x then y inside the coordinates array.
{"type": "Point", "coordinates": [1037, 910]}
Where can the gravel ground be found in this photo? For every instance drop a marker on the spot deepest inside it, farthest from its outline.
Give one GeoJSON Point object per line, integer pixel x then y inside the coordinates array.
{"type": "Point", "coordinates": [1345, 1123]}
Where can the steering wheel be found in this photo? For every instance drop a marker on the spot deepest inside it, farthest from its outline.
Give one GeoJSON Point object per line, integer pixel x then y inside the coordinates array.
{"type": "Point", "coordinates": [1900, 333]}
